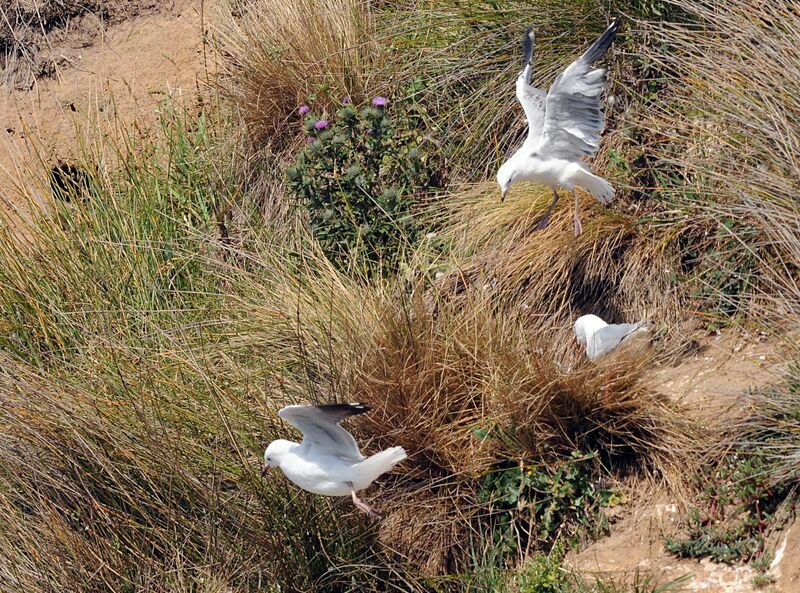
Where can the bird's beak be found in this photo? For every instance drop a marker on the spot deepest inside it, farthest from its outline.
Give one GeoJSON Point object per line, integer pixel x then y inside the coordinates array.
{"type": "Point", "coordinates": [503, 195]}
{"type": "Point", "coordinates": [264, 470]}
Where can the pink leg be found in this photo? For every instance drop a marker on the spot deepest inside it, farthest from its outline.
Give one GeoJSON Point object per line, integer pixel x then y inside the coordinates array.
{"type": "Point", "coordinates": [364, 506]}
{"type": "Point", "coordinates": [546, 218]}
{"type": "Point", "coordinates": [576, 222]}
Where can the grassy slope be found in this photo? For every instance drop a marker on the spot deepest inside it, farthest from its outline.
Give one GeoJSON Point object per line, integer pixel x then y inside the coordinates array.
{"type": "Point", "coordinates": [150, 332]}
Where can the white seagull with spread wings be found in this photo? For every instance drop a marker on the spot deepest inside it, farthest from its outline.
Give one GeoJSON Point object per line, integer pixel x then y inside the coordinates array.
{"type": "Point", "coordinates": [564, 126]}
{"type": "Point", "coordinates": [328, 460]}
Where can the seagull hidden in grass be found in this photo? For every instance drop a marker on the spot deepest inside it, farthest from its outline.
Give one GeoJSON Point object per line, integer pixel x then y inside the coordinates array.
{"type": "Point", "coordinates": [599, 338]}
{"type": "Point", "coordinates": [328, 461]}
{"type": "Point", "coordinates": [564, 126]}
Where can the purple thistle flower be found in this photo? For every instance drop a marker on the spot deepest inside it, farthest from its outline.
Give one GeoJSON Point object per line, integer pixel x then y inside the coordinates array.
{"type": "Point", "coordinates": [310, 140]}
{"type": "Point", "coordinates": [321, 124]}
{"type": "Point", "coordinates": [303, 109]}
{"type": "Point", "coordinates": [379, 101]}
{"type": "Point", "coordinates": [346, 100]}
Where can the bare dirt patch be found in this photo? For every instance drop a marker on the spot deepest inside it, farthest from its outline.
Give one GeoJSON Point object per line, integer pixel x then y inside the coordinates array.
{"type": "Point", "coordinates": [111, 67]}
{"type": "Point", "coordinates": [711, 381]}
{"type": "Point", "coordinates": [34, 34]}
{"type": "Point", "coordinates": [720, 369]}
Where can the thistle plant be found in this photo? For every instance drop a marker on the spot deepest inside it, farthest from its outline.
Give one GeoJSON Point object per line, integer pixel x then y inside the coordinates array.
{"type": "Point", "coordinates": [359, 178]}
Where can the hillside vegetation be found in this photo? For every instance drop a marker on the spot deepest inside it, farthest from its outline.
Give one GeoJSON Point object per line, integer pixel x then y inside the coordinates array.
{"type": "Point", "coordinates": [180, 287]}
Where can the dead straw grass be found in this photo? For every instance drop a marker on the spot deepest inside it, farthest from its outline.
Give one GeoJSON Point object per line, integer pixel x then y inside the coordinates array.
{"type": "Point", "coordinates": [134, 416]}
{"type": "Point", "coordinates": [440, 372]}
{"type": "Point", "coordinates": [282, 54]}
{"type": "Point", "coordinates": [725, 141]}
{"type": "Point", "coordinates": [620, 268]}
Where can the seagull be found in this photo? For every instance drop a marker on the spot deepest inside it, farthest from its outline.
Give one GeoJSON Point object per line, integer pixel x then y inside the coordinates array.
{"type": "Point", "coordinates": [599, 338]}
{"type": "Point", "coordinates": [564, 125]}
{"type": "Point", "coordinates": [328, 461]}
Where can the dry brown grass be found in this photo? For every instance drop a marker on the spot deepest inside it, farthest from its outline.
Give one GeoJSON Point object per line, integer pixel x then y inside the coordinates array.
{"type": "Point", "coordinates": [468, 56]}
{"type": "Point", "coordinates": [130, 444]}
{"type": "Point", "coordinates": [619, 268]}
{"type": "Point", "coordinates": [439, 378]}
{"type": "Point", "coordinates": [439, 372]}
{"type": "Point", "coordinates": [157, 355]}
{"type": "Point", "coordinates": [769, 425]}
{"type": "Point", "coordinates": [724, 138]}
{"type": "Point", "coordinates": [280, 54]}
{"type": "Point", "coordinates": [86, 490]}
{"type": "Point", "coordinates": [434, 376]}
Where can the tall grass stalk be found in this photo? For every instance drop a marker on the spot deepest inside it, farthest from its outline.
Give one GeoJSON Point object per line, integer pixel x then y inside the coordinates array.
{"type": "Point", "coordinates": [727, 143]}
{"type": "Point", "coordinates": [282, 54]}
{"type": "Point", "coordinates": [132, 432]}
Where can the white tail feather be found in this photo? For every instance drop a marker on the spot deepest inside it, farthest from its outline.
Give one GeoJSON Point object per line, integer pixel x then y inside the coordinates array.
{"type": "Point", "coordinates": [380, 463]}
{"type": "Point", "coordinates": [601, 190]}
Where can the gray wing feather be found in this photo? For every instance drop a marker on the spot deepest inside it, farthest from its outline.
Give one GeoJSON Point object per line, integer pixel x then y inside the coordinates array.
{"type": "Point", "coordinates": [531, 98]}
{"type": "Point", "coordinates": [574, 117]}
{"type": "Point", "coordinates": [527, 47]}
{"type": "Point", "coordinates": [611, 336]}
{"type": "Point", "coordinates": [321, 429]}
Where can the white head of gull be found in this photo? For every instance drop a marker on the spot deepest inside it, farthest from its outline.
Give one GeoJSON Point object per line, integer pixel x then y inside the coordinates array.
{"type": "Point", "coordinates": [328, 461]}
{"type": "Point", "coordinates": [564, 126]}
{"type": "Point", "coordinates": [599, 338]}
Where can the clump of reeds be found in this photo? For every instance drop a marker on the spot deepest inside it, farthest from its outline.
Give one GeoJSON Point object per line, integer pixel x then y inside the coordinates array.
{"type": "Point", "coordinates": [462, 384]}
{"type": "Point", "coordinates": [279, 55]}
{"type": "Point", "coordinates": [723, 140]}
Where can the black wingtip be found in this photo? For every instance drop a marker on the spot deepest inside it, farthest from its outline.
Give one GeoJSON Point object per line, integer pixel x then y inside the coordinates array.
{"type": "Point", "coordinates": [527, 47]}
{"type": "Point", "coordinates": [600, 47]}
{"type": "Point", "coordinates": [352, 409]}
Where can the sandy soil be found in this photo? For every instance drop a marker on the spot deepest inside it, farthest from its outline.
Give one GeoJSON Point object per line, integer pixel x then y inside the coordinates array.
{"type": "Point", "coordinates": [635, 545]}
{"type": "Point", "coordinates": [721, 369]}
{"type": "Point", "coordinates": [711, 382]}
{"type": "Point", "coordinates": [107, 75]}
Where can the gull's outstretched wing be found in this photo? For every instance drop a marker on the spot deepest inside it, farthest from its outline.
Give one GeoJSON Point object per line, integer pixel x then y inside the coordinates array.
{"type": "Point", "coordinates": [321, 430]}
{"type": "Point", "coordinates": [531, 98]}
{"type": "Point", "coordinates": [609, 337]}
{"type": "Point", "coordinates": [574, 116]}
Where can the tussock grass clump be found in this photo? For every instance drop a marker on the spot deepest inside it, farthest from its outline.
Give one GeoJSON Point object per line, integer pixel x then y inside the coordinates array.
{"type": "Point", "coordinates": [464, 387]}
{"type": "Point", "coordinates": [771, 427]}
{"type": "Point", "coordinates": [120, 242]}
{"type": "Point", "coordinates": [463, 58]}
{"type": "Point", "coordinates": [131, 437]}
{"type": "Point", "coordinates": [620, 268]}
{"type": "Point", "coordinates": [150, 480]}
{"type": "Point", "coordinates": [149, 337]}
{"type": "Point", "coordinates": [725, 139]}
{"type": "Point", "coordinates": [439, 378]}
{"type": "Point", "coordinates": [279, 54]}
{"type": "Point", "coordinates": [468, 392]}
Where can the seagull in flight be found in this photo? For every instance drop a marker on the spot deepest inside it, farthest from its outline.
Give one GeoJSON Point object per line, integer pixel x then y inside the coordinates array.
{"type": "Point", "coordinates": [328, 461]}
{"type": "Point", "coordinates": [599, 338]}
{"type": "Point", "coordinates": [564, 126]}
